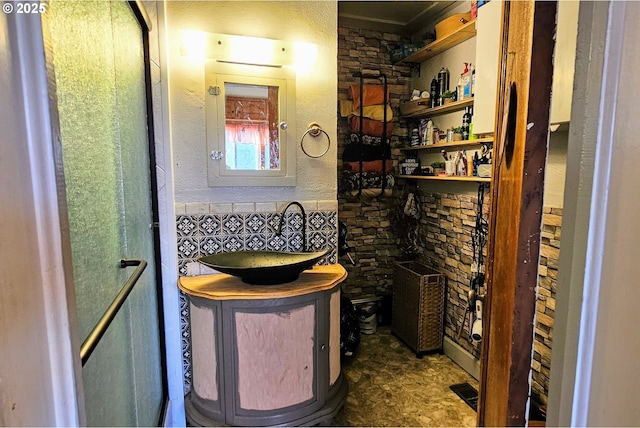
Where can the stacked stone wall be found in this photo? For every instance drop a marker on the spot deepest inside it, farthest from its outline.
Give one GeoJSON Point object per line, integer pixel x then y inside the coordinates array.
{"type": "Point", "coordinates": [447, 225]}
{"type": "Point", "coordinates": [546, 302]}
{"type": "Point", "coordinates": [370, 232]}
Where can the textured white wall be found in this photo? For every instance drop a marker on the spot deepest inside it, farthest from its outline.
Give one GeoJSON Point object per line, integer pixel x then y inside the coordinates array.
{"type": "Point", "coordinates": [38, 378]}
{"type": "Point", "coordinates": [316, 93]}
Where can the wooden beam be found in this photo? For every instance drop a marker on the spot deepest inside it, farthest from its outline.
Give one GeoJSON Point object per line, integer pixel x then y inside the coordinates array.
{"type": "Point", "coordinates": [520, 153]}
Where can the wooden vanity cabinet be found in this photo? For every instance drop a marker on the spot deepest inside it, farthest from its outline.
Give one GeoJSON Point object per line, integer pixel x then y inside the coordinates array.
{"type": "Point", "coordinates": [266, 361]}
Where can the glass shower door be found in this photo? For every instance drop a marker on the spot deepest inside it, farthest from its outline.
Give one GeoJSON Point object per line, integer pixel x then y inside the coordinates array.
{"type": "Point", "coordinates": [99, 71]}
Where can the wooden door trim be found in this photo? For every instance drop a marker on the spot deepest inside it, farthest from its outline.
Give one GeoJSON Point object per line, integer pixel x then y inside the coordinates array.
{"type": "Point", "coordinates": [516, 211]}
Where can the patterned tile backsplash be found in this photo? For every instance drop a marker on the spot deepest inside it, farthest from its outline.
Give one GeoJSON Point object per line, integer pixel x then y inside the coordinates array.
{"type": "Point", "coordinates": [205, 229]}
{"type": "Point", "coordinates": [204, 233]}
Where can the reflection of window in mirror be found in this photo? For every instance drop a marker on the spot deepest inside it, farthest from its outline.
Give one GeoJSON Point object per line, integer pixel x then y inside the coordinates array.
{"type": "Point", "coordinates": [250, 125]}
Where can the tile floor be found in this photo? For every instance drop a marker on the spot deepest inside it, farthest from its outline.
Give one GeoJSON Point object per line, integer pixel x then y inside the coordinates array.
{"type": "Point", "coordinates": [389, 386]}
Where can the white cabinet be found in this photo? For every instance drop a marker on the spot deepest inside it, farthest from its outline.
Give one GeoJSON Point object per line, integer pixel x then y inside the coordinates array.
{"type": "Point", "coordinates": [488, 27]}
{"type": "Point", "coordinates": [564, 61]}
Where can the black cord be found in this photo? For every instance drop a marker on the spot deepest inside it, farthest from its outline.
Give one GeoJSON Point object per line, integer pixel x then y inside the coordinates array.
{"type": "Point", "coordinates": [479, 240]}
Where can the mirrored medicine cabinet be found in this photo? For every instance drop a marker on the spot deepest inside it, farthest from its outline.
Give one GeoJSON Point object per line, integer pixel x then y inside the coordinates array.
{"type": "Point", "coordinates": [251, 128]}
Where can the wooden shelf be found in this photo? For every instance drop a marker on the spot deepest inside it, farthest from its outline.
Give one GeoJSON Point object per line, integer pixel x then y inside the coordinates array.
{"type": "Point", "coordinates": [447, 178]}
{"type": "Point", "coordinates": [462, 34]}
{"type": "Point", "coordinates": [477, 141]}
{"type": "Point", "coordinates": [436, 111]}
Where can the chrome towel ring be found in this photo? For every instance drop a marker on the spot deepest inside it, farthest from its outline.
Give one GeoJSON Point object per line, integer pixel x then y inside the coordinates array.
{"type": "Point", "coordinates": [315, 131]}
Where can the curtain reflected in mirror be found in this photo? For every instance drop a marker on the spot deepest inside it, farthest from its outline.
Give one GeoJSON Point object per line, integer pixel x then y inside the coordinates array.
{"type": "Point", "coordinates": [251, 127]}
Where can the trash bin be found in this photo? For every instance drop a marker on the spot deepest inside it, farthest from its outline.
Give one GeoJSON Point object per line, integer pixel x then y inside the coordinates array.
{"type": "Point", "coordinates": [368, 318]}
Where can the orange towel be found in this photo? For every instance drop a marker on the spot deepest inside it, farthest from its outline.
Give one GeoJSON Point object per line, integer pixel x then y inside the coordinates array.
{"type": "Point", "coordinates": [371, 95]}
{"type": "Point", "coordinates": [369, 126]}
{"type": "Point", "coordinates": [368, 166]}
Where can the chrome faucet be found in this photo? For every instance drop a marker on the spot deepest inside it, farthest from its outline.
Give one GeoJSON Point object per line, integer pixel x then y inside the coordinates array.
{"type": "Point", "coordinates": [304, 223]}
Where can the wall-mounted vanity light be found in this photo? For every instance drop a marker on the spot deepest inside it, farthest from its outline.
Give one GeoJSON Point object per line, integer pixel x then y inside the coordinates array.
{"type": "Point", "coordinates": [237, 49]}
{"type": "Point", "coordinates": [247, 50]}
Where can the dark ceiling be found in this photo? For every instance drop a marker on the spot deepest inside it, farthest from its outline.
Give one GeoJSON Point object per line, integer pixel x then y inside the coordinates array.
{"type": "Point", "coordinates": [400, 17]}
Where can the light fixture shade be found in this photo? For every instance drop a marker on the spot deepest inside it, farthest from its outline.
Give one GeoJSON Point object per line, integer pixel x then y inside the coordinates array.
{"type": "Point", "coordinates": [237, 49]}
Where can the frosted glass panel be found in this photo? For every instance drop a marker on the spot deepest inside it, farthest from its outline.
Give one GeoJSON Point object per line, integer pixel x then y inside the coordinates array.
{"type": "Point", "coordinates": [99, 74]}
{"type": "Point", "coordinates": [132, 108]}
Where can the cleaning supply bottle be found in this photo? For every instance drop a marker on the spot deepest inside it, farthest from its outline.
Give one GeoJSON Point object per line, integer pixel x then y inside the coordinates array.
{"type": "Point", "coordinates": [459, 89]}
{"type": "Point", "coordinates": [466, 81]}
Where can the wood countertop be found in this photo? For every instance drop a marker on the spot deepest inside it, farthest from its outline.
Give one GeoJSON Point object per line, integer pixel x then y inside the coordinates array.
{"type": "Point", "coordinates": [226, 287]}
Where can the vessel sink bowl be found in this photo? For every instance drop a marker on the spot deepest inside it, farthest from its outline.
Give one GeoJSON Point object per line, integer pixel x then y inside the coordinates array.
{"type": "Point", "coordinates": [263, 267]}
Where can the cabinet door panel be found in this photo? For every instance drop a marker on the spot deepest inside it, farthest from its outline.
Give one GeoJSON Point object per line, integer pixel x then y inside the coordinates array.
{"type": "Point", "coordinates": [564, 61]}
{"type": "Point", "coordinates": [204, 355]}
{"type": "Point", "coordinates": [275, 358]}
{"type": "Point", "coordinates": [489, 24]}
{"type": "Point", "coordinates": [334, 337]}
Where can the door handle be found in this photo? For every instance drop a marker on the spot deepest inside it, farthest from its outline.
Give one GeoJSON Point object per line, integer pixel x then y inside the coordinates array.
{"type": "Point", "coordinates": [101, 327]}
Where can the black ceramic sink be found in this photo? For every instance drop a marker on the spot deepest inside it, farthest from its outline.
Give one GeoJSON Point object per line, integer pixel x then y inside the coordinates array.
{"type": "Point", "coordinates": [263, 267]}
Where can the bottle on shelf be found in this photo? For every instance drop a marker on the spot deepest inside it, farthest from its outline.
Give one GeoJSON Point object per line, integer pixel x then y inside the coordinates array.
{"type": "Point", "coordinates": [428, 140]}
{"type": "Point", "coordinates": [462, 83]}
{"type": "Point", "coordinates": [466, 120]}
{"type": "Point", "coordinates": [415, 137]}
{"type": "Point", "coordinates": [466, 81]}
{"type": "Point", "coordinates": [434, 92]}
{"type": "Point", "coordinates": [443, 84]}
{"type": "Point", "coordinates": [473, 81]}
{"type": "Point", "coordinates": [460, 89]}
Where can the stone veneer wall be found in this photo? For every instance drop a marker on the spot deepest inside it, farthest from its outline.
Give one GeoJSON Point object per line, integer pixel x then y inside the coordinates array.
{"type": "Point", "coordinates": [546, 302]}
{"type": "Point", "coordinates": [446, 227]}
{"type": "Point", "coordinates": [205, 229]}
{"type": "Point", "coordinates": [371, 236]}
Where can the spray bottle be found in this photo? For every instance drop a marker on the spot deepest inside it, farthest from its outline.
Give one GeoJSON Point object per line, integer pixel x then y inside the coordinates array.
{"type": "Point", "coordinates": [466, 81]}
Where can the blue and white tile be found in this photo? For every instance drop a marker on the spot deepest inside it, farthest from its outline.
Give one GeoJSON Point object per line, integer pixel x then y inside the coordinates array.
{"type": "Point", "coordinates": [293, 223]}
{"type": "Point", "coordinates": [182, 266]}
{"type": "Point", "coordinates": [185, 333]}
{"type": "Point", "coordinates": [209, 225]}
{"type": "Point", "coordinates": [332, 220]}
{"type": "Point", "coordinates": [294, 242]}
{"type": "Point", "coordinates": [255, 223]}
{"type": "Point", "coordinates": [332, 239]}
{"type": "Point", "coordinates": [186, 225]}
{"type": "Point", "coordinates": [232, 243]}
{"type": "Point", "coordinates": [272, 222]}
{"type": "Point", "coordinates": [256, 242]}
{"type": "Point", "coordinates": [188, 248]}
{"type": "Point", "coordinates": [276, 242]}
{"type": "Point", "coordinates": [317, 241]}
{"type": "Point", "coordinates": [317, 220]}
{"type": "Point", "coordinates": [211, 245]}
{"type": "Point", "coordinates": [232, 224]}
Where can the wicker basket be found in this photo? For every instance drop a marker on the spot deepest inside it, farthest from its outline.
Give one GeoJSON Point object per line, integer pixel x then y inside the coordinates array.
{"type": "Point", "coordinates": [450, 24]}
{"type": "Point", "coordinates": [418, 306]}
